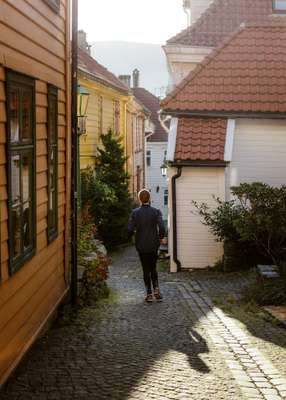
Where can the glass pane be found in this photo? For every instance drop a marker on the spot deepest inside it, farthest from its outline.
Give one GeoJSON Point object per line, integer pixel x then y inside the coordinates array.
{"type": "Point", "coordinates": [16, 231]}
{"type": "Point", "coordinates": [280, 4]}
{"type": "Point", "coordinates": [15, 179]}
{"type": "Point", "coordinates": [26, 184]}
{"type": "Point", "coordinates": [52, 119]}
{"type": "Point", "coordinates": [27, 226]}
{"type": "Point", "coordinates": [52, 210]}
{"type": "Point", "coordinates": [52, 169]}
{"type": "Point", "coordinates": [14, 115]}
{"type": "Point", "coordinates": [26, 116]}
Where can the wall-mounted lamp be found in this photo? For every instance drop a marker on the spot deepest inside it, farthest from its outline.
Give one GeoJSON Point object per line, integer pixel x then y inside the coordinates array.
{"type": "Point", "coordinates": [164, 169]}
{"type": "Point", "coordinates": [82, 104]}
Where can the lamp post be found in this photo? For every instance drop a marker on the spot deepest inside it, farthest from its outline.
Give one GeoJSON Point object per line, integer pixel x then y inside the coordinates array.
{"type": "Point", "coordinates": [82, 104]}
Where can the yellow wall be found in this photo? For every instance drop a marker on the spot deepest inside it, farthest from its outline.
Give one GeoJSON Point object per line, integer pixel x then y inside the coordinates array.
{"type": "Point", "coordinates": [90, 141]}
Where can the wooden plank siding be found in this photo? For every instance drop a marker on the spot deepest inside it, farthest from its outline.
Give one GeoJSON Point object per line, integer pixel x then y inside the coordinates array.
{"type": "Point", "coordinates": [34, 40]}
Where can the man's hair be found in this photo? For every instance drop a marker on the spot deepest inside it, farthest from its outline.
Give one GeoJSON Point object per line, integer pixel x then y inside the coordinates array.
{"type": "Point", "coordinates": [144, 196]}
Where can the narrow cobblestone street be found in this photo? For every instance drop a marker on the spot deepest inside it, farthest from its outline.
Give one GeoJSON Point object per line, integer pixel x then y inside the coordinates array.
{"type": "Point", "coordinates": [183, 348]}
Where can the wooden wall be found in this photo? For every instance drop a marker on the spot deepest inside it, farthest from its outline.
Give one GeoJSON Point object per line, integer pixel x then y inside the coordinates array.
{"type": "Point", "coordinates": [90, 142]}
{"type": "Point", "coordinates": [33, 40]}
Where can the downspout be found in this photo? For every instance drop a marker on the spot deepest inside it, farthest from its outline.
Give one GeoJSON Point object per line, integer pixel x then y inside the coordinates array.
{"type": "Point", "coordinates": [74, 176]}
{"type": "Point", "coordinates": [174, 212]}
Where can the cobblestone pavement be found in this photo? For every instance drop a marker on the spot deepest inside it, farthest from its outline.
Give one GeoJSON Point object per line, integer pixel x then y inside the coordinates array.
{"type": "Point", "coordinates": [183, 348]}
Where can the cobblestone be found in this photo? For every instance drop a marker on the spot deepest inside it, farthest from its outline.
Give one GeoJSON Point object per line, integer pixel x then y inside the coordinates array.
{"type": "Point", "coordinates": [181, 349]}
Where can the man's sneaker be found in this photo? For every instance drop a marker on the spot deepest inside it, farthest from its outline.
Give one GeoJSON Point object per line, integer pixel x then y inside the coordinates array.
{"type": "Point", "coordinates": [149, 298]}
{"type": "Point", "coordinates": [158, 295]}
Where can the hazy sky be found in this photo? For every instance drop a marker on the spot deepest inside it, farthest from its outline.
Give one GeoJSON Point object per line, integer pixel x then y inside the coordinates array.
{"type": "Point", "coordinates": [145, 21]}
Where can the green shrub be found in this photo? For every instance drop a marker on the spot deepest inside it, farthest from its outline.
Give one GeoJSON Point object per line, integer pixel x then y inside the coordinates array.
{"type": "Point", "coordinates": [252, 226]}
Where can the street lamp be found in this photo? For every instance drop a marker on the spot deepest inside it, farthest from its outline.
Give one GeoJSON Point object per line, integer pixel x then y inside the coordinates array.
{"type": "Point", "coordinates": [163, 168]}
{"type": "Point", "coordinates": [82, 104]}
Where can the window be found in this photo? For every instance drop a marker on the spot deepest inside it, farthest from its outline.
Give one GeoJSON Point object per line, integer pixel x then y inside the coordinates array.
{"type": "Point", "coordinates": [148, 158]}
{"type": "Point", "coordinates": [116, 107]}
{"type": "Point", "coordinates": [54, 4]}
{"type": "Point", "coordinates": [279, 5]}
{"type": "Point", "coordinates": [21, 168]}
{"type": "Point", "coordinates": [165, 155]}
{"type": "Point", "coordinates": [100, 115]}
{"type": "Point", "coordinates": [52, 143]}
{"type": "Point", "coordinates": [165, 197]}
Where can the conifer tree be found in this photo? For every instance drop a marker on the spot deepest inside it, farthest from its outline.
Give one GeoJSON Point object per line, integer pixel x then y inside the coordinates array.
{"type": "Point", "coordinates": [110, 171]}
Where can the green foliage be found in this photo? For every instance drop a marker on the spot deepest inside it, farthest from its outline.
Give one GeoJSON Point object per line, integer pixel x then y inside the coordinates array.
{"type": "Point", "coordinates": [105, 192]}
{"type": "Point", "coordinates": [253, 225]}
{"type": "Point", "coordinates": [93, 282]}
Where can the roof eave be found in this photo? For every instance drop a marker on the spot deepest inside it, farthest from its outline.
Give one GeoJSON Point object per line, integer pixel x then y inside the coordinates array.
{"type": "Point", "coordinates": [95, 78]}
{"type": "Point", "coordinates": [198, 163]}
{"type": "Point", "coordinates": [224, 114]}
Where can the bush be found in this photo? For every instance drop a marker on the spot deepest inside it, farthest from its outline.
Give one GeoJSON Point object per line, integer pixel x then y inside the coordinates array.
{"type": "Point", "coordinates": [252, 226]}
{"type": "Point", "coordinates": [95, 263]}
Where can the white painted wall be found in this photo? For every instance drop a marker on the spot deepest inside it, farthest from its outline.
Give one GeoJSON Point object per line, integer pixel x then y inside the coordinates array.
{"type": "Point", "coordinates": [259, 153]}
{"type": "Point", "coordinates": [154, 178]}
{"type": "Point", "coordinates": [197, 247]}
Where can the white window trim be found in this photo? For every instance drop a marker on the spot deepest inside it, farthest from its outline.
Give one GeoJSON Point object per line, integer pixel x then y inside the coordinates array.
{"type": "Point", "coordinates": [228, 149]}
{"type": "Point", "coordinates": [172, 138]}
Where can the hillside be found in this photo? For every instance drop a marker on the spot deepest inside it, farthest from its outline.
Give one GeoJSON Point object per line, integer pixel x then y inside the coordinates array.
{"type": "Point", "coordinates": [122, 58]}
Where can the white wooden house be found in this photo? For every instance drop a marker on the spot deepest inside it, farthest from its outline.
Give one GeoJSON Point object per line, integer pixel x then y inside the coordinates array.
{"type": "Point", "coordinates": [228, 127]}
{"type": "Point", "coordinates": [156, 151]}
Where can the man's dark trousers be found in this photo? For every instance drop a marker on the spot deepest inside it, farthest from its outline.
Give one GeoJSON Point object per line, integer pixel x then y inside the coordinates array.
{"type": "Point", "coordinates": [149, 261]}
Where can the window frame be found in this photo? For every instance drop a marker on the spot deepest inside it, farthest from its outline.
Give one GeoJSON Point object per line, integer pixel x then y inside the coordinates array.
{"type": "Point", "coordinates": [52, 231]}
{"type": "Point", "coordinates": [277, 10]}
{"type": "Point", "coordinates": [22, 82]}
{"type": "Point", "coordinates": [116, 122]}
{"type": "Point", "coordinates": [166, 197]}
{"type": "Point", "coordinates": [54, 5]}
{"type": "Point", "coordinates": [148, 158]}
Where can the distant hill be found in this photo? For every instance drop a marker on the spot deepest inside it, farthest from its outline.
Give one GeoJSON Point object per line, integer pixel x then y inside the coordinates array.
{"type": "Point", "coordinates": [122, 58]}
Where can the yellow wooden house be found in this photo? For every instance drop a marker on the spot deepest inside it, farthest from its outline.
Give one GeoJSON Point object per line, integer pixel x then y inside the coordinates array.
{"type": "Point", "coordinates": [111, 105]}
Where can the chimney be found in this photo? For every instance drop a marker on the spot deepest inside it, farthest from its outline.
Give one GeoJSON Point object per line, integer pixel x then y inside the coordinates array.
{"type": "Point", "coordinates": [126, 79]}
{"type": "Point", "coordinates": [82, 43]}
{"type": "Point", "coordinates": [136, 75]}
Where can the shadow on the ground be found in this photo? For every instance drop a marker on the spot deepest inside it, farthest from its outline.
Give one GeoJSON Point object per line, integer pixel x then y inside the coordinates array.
{"type": "Point", "coordinates": [107, 352]}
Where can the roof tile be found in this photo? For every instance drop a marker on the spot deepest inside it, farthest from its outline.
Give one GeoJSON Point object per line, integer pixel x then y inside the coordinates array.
{"type": "Point", "coordinates": [200, 139]}
{"type": "Point", "coordinates": [152, 103]}
{"type": "Point", "coordinates": [221, 19]}
{"type": "Point", "coordinates": [237, 77]}
{"type": "Point", "coordinates": [99, 72]}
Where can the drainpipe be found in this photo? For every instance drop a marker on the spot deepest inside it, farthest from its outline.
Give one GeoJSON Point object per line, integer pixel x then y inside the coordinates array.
{"type": "Point", "coordinates": [174, 209]}
{"type": "Point", "coordinates": [74, 174]}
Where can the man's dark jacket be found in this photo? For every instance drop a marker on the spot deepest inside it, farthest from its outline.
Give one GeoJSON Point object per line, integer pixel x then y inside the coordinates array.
{"type": "Point", "coordinates": [147, 223]}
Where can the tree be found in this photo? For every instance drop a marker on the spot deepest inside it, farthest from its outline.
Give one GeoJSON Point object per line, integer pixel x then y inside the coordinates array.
{"type": "Point", "coordinates": [110, 203]}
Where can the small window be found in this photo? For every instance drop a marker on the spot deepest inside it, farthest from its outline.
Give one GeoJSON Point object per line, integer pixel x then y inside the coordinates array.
{"type": "Point", "coordinates": [165, 155]}
{"type": "Point", "coordinates": [116, 107]}
{"type": "Point", "coordinates": [279, 5]}
{"type": "Point", "coordinates": [165, 197]}
{"type": "Point", "coordinates": [21, 168]}
{"type": "Point", "coordinates": [100, 115]}
{"type": "Point", "coordinates": [54, 4]}
{"type": "Point", "coordinates": [52, 143]}
{"type": "Point", "coordinates": [148, 158]}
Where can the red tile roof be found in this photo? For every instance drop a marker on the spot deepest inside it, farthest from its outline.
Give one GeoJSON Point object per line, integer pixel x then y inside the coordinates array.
{"type": "Point", "coordinates": [200, 139]}
{"type": "Point", "coordinates": [222, 18]}
{"type": "Point", "coordinates": [246, 74]}
{"type": "Point", "coordinates": [152, 103]}
{"type": "Point", "coordinates": [89, 65]}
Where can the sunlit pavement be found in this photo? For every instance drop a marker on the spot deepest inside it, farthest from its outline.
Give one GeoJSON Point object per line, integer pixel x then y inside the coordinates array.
{"type": "Point", "coordinates": [182, 348]}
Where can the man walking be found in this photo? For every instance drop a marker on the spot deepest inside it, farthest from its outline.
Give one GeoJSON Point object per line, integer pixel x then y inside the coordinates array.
{"type": "Point", "coordinates": [147, 223]}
